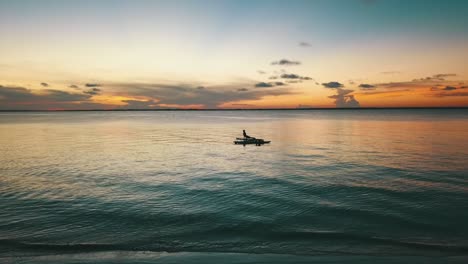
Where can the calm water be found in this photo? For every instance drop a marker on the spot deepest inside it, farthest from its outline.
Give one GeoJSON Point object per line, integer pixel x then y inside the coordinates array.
{"type": "Point", "coordinates": [118, 187]}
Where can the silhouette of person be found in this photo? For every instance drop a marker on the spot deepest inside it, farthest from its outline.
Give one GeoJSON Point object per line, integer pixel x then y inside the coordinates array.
{"type": "Point", "coordinates": [245, 134]}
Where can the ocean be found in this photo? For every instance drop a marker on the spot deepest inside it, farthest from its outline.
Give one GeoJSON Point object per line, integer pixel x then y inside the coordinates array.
{"type": "Point", "coordinates": [333, 186]}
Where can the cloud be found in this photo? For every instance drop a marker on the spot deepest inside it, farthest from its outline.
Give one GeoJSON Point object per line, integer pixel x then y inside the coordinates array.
{"type": "Point", "coordinates": [435, 77]}
{"type": "Point", "coordinates": [139, 95]}
{"type": "Point", "coordinates": [365, 86]}
{"type": "Point", "coordinates": [290, 76]}
{"type": "Point", "coordinates": [343, 99]}
{"type": "Point", "coordinates": [304, 44]}
{"type": "Point", "coordinates": [436, 80]}
{"type": "Point", "coordinates": [273, 77]}
{"type": "Point", "coordinates": [93, 91]}
{"type": "Point", "coordinates": [93, 85]}
{"type": "Point", "coordinates": [144, 104]}
{"type": "Point", "coordinates": [455, 94]}
{"type": "Point", "coordinates": [269, 84]}
{"type": "Point", "coordinates": [20, 98]}
{"type": "Point", "coordinates": [449, 88]}
{"type": "Point", "coordinates": [332, 85]}
{"type": "Point", "coordinates": [261, 72]}
{"type": "Point", "coordinates": [294, 76]}
{"type": "Point", "coordinates": [279, 83]}
{"type": "Point", "coordinates": [74, 86]}
{"type": "Point", "coordinates": [200, 87]}
{"type": "Point", "coordinates": [181, 95]}
{"type": "Point", "coordinates": [263, 85]}
{"type": "Point", "coordinates": [45, 84]}
{"type": "Point", "coordinates": [444, 75]}
{"type": "Point", "coordinates": [390, 93]}
{"type": "Point", "coordinates": [285, 62]}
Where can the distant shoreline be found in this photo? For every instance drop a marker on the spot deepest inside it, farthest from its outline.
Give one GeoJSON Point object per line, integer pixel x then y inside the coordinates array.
{"type": "Point", "coordinates": [246, 109]}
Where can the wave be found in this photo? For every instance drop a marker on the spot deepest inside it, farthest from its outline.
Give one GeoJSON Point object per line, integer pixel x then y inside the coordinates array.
{"type": "Point", "coordinates": [355, 245]}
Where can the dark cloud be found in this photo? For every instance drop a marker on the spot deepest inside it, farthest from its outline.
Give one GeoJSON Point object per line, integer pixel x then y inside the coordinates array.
{"type": "Point", "coordinates": [74, 86]}
{"type": "Point", "coordinates": [93, 91]}
{"type": "Point", "coordinates": [444, 75]}
{"type": "Point", "coordinates": [409, 84]}
{"type": "Point", "coordinates": [93, 85]}
{"type": "Point", "coordinates": [365, 86]}
{"type": "Point", "coordinates": [19, 98]}
{"type": "Point", "coordinates": [273, 77]}
{"type": "Point", "coordinates": [45, 84]}
{"type": "Point", "coordinates": [278, 83]}
{"type": "Point", "coordinates": [332, 85]}
{"type": "Point", "coordinates": [294, 76]}
{"type": "Point", "coordinates": [186, 94]}
{"type": "Point", "coordinates": [261, 72]}
{"type": "Point", "coordinates": [343, 99]}
{"type": "Point", "coordinates": [269, 84]}
{"type": "Point", "coordinates": [150, 95]}
{"type": "Point", "coordinates": [435, 77]}
{"type": "Point", "coordinates": [290, 76]}
{"type": "Point", "coordinates": [430, 81]}
{"type": "Point", "coordinates": [285, 62]}
{"type": "Point", "coordinates": [263, 85]}
{"type": "Point", "coordinates": [452, 94]}
{"type": "Point", "coordinates": [200, 87]}
{"type": "Point", "coordinates": [449, 88]}
{"type": "Point", "coordinates": [304, 44]}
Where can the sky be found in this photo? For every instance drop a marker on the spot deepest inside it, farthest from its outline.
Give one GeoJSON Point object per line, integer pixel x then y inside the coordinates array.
{"type": "Point", "coordinates": [137, 54]}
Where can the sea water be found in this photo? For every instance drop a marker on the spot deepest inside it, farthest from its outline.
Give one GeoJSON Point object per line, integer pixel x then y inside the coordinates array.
{"type": "Point", "coordinates": [170, 186]}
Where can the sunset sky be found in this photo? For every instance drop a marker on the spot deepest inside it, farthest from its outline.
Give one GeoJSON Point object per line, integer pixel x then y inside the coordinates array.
{"type": "Point", "coordinates": [137, 54]}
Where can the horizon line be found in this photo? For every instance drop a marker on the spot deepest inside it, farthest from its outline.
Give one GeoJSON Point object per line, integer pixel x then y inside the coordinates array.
{"type": "Point", "coordinates": [242, 109]}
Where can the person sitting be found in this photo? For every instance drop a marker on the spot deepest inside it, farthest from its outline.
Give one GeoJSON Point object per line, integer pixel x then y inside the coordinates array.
{"type": "Point", "coordinates": [245, 135]}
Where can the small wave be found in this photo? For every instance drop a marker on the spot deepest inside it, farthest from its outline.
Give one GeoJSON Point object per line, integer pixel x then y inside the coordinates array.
{"type": "Point", "coordinates": [11, 247]}
{"type": "Point", "coordinates": [8, 244]}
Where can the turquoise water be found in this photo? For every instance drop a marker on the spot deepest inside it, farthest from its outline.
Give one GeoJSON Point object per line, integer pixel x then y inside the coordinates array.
{"type": "Point", "coordinates": [138, 187]}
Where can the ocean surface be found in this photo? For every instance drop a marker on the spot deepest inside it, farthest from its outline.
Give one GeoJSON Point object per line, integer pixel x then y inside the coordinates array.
{"type": "Point", "coordinates": [333, 186]}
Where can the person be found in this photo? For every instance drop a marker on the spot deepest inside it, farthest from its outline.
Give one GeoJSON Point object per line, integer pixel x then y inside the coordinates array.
{"type": "Point", "coordinates": [245, 134]}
